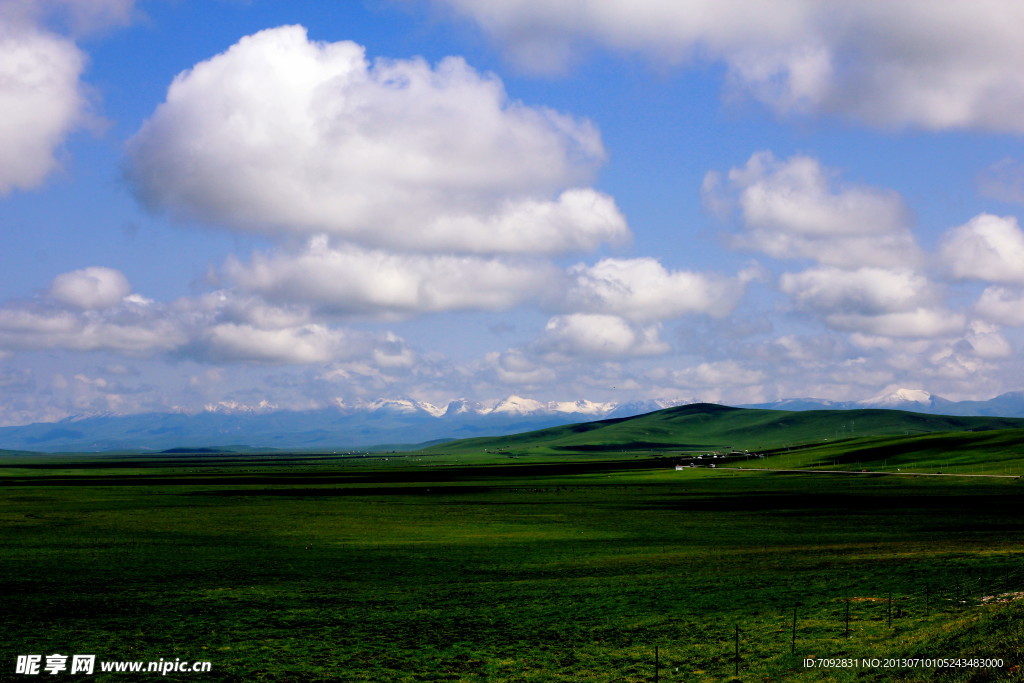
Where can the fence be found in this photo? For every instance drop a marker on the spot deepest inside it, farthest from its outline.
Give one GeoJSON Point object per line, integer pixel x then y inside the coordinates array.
{"type": "Point", "coordinates": [884, 628]}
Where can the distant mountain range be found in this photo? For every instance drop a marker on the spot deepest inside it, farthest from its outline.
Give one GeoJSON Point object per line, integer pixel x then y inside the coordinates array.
{"type": "Point", "coordinates": [915, 400]}
{"type": "Point", "coordinates": [401, 422]}
{"type": "Point", "coordinates": [380, 423]}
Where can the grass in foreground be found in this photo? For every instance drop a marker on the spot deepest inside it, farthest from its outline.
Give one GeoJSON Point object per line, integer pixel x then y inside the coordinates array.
{"type": "Point", "coordinates": [510, 574]}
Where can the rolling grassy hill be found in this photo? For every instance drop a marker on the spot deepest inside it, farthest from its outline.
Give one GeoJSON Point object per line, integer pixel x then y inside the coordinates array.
{"type": "Point", "coordinates": [705, 426]}
{"type": "Point", "coordinates": [998, 451]}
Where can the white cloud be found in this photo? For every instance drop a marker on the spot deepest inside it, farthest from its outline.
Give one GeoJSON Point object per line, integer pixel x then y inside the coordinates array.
{"type": "Point", "coordinates": [349, 279]}
{"type": "Point", "coordinates": [305, 344]}
{"type": "Point", "coordinates": [392, 353]}
{"type": "Point", "coordinates": [987, 247]}
{"type": "Point", "coordinates": [863, 374]}
{"type": "Point", "coordinates": [794, 195]}
{"type": "Point", "coordinates": [41, 99]}
{"type": "Point", "coordinates": [283, 135]}
{"type": "Point", "coordinates": [935, 64]}
{"type": "Point", "coordinates": [965, 363]}
{"type": "Point", "coordinates": [867, 291]}
{"type": "Point", "coordinates": [42, 96]}
{"type": "Point", "coordinates": [23, 329]}
{"type": "Point", "coordinates": [919, 322]}
{"type": "Point", "coordinates": [642, 290]}
{"type": "Point", "coordinates": [806, 351]}
{"type": "Point", "coordinates": [592, 335]}
{"type": "Point", "coordinates": [226, 327]}
{"type": "Point", "coordinates": [793, 209]}
{"type": "Point", "coordinates": [875, 301]}
{"type": "Point", "coordinates": [26, 321]}
{"type": "Point", "coordinates": [987, 342]}
{"type": "Point", "coordinates": [716, 375]}
{"type": "Point", "coordinates": [254, 311]}
{"type": "Point", "coordinates": [1002, 305]}
{"type": "Point", "coordinates": [88, 311]}
{"type": "Point", "coordinates": [90, 288]}
{"type": "Point", "coordinates": [50, 396]}
{"type": "Point", "coordinates": [868, 342]}
{"type": "Point", "coordinates": [515, 367]}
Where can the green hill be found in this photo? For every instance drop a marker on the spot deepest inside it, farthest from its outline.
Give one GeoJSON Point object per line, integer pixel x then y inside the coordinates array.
{"type": "Point", "coordinates": [5, 453]}
{"type": "Point", "coordinates": [710, 427]}
{"type": "Point", "coordinates": [998, 451]}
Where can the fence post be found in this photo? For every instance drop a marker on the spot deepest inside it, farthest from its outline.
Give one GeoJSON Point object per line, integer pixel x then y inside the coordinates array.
{"type": "Point", "coordinates": [793, 647]}
{"type": "Point", "coordinates": [736, 670]}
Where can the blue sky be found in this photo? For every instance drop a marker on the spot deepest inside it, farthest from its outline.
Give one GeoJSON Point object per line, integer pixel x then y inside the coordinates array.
{"type": "Point", "coordinates": [301, 204]}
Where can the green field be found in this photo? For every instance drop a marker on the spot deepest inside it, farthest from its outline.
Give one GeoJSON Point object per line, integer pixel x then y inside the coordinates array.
{"type": "Point", "coordinates": [463, 565]}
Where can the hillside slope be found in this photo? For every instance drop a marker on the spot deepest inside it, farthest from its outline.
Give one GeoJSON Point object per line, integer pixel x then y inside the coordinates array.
{"type": "Point", "coordinates": [705, 426]}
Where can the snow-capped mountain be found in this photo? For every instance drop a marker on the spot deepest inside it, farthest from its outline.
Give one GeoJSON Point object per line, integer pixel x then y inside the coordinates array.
{"type": "Point", "coordinates": [510, 406]}
{"type": "Point", "coordinates": [581, 407]}
{"type": "Point", "coordinates": [406, 406]}
{"type": "Point", "coordinates": [517, 405]}
{"type": "Point", "coordinates": [913, 400]}
{"type": "Point", "coordinates": [342, 424]}
{"type": "Point", "coordinates": [649, 406]}
{"type": "Point", "coordinates": [401, 421]}
{"type": "Point", "coordinates": [898, 398]}
{"type": "Point", "coordinates": [462, 406]}
{"type": "Point", "coordinates": [229, 407]}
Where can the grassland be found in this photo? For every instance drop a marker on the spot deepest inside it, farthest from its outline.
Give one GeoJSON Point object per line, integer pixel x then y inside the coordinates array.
{"type": "Point", "coordinates": [378, 575]}
{"type": "Point", "coordinates": [463, 565]}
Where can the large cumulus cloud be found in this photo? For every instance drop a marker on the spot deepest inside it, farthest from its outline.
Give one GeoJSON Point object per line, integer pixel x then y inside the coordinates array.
{"type": "Point", "coordinates": [890, 302]}
{"type": "Point", "coordinates": [42, 94]}
{"type": "Point", "coordinates": [89, 288]}
{"type": "Point", "coordinates": [284, 135]}
{"type": "Point", "coordinates": [347, 280]}
{"type": "Point", "coordinates": [796, 208]}
{"type": "Point", "coordinates": [595, 335]}
{"type": "Point", "coordinates": [41, 97]}
{"type": "Point", "coordinates": [936, 64]}
{"type": "Point", "coordinates": [987, 247]}
{"type": "Point", "coordinates": [643, 290]}
{"type": "Point", "coordinates": [869, 272]}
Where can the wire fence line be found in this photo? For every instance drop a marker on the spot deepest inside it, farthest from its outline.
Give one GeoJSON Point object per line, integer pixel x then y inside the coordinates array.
{"type": "Point", "coordinates": [830, 626]}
